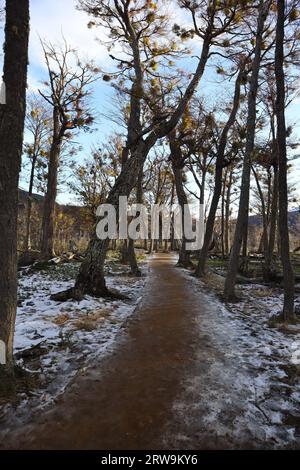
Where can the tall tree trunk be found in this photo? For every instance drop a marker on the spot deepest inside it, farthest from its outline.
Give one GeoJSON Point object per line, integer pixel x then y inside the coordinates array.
{"type": "Point", "coordinates": [268, 265]}
{"type": "Point", "coordinates": [201, 268]}
{"type": "Point", "coordinates": [264, 238]}
{"type": "Point", "coordinates": [134, 267]}
{"type": "Point", "coordinates": [202, 187]}
{"type": "Point", "coordinates": [233, 265]}
{"type": "Point", "coordinates": [12, 116]}
{"type": "Point", "coordinates": [288, 274]}
{"type": "Point", "coordinates": [172, 243]}
{"type": "Point", "coordinates": [243, 262]}
{"type": "Point", "coordinates": [227, 213]}
{"type": "Point", "coordinates": [48, 224]}
{"type": "Point", "coordinates": [177, 167]}
{"type": "Point", "coordinates": [223, 215]}
{"type": "Point", "coordinates": [27, 243]}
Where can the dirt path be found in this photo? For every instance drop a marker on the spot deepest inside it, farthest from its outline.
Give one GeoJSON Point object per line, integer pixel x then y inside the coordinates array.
{"type": "Point", "coordinates": [125, 402]}
{"type": "Point", "coordinates": [186, 374]}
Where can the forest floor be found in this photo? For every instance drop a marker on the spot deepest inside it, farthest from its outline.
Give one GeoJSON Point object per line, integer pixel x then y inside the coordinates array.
{"type": "Point", "coordinates": [186, 372]}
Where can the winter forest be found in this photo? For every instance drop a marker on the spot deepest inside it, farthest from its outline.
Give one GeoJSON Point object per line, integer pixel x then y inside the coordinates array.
{"type": "Point", "coordinates": [110, 341]}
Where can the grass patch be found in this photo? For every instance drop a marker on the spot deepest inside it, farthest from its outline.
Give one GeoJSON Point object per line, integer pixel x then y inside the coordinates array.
{"type": "Point", "coordinates": [217, 263]}
{"type": "Point", "coordinates": [92, 320]}
{"type": "Point", "coordinates": [61, 319]}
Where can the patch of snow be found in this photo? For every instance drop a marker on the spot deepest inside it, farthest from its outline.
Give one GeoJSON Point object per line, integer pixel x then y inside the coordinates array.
{"type": "Point", "coordinates": [243, 390]}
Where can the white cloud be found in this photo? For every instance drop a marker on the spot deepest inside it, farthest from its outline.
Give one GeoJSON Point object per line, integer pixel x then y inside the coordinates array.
{"type": "Point", "coordinates": [52, 18]}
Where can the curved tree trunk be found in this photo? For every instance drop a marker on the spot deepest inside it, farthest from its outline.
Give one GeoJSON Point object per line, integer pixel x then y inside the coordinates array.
{"type": "Point", "coordinates": [288, 274]}
{"type": "Point", "coordinates": [241, 224]}
{"type": "Point", "coordinates": [12, 116]}
{"type": "Point", "coordinates": [90, 279]}
{"type": "Point", "coordinates": [91, 276]}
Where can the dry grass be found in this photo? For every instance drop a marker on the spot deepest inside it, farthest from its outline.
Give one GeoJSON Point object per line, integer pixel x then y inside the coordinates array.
{"type": "Point", "coordinates": [62, 319]}
{"type": "Point", "coordinates": [261, 292]}
{"type": "Point", "coordinates": [92, 320]}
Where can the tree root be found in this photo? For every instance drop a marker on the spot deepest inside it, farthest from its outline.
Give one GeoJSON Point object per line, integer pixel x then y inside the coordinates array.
{"type": "Point", "coordinates": [136, 273]}
{"type": "Point", "coordinates": [69, 294]}
{"type": "Point", "coordinates": [185, 265]}
{"type": "Point", "coordinates": [77, 294]}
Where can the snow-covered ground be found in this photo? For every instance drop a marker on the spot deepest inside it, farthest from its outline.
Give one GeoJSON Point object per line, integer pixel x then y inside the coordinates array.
{"type": "Point", "coordinates": [244, 389]}
{"type": "Point", "coordinates": [55, 341]}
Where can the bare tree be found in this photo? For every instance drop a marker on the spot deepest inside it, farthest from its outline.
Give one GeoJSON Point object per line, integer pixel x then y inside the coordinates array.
{"type": "Point", "coordinates": [67, 93]}
{"type": "Point", "coordinates": [38, 123]}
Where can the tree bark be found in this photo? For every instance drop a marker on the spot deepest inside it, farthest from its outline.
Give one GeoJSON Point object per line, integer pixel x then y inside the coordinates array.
{"type": "Point", "coordinates": [223, 194]}
{"type": "Point", "coordinates": [263, 210]}
{"type": "Point", "coordinates": [134, 267]}
{"type": "Point", "coordinates": [233, 265]}
{"type": "Point", "coordinates": [12, 116]}
{"type": "Point", "coordinates": [172, 241]}
{"type": "Point", "coordinates": [268, 265]}
{"type": "Point", "coordinates": [48, 224]}
{"type": "Point", "coordinates": [27, 243]}
{"type": "Point", "coordinates": [227, 213]}
{"type": "Point", "coordinates": [288, 274]}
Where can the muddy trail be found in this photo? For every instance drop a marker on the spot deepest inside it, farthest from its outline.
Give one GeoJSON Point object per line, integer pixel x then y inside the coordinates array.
{"type": "Point", "coordinates": [126, 401]}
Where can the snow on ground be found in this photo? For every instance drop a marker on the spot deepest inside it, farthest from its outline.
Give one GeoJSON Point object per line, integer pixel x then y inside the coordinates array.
{"type": "Point", "coordinates": [244, 388]}
{"type": "Point", "coordinates": [55, 341]}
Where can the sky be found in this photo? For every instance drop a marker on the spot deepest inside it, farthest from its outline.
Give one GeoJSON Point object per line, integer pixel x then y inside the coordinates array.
{"type": "Point", "coordinates": [50, 19]}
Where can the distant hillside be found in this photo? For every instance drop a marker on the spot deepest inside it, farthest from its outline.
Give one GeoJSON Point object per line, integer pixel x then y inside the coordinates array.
{"type": "Point", "coordinates": [294, 220]}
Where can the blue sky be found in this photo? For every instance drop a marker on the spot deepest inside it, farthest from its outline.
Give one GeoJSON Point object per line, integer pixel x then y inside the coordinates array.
{"type": "Point", "coordinates": [51, 18]}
